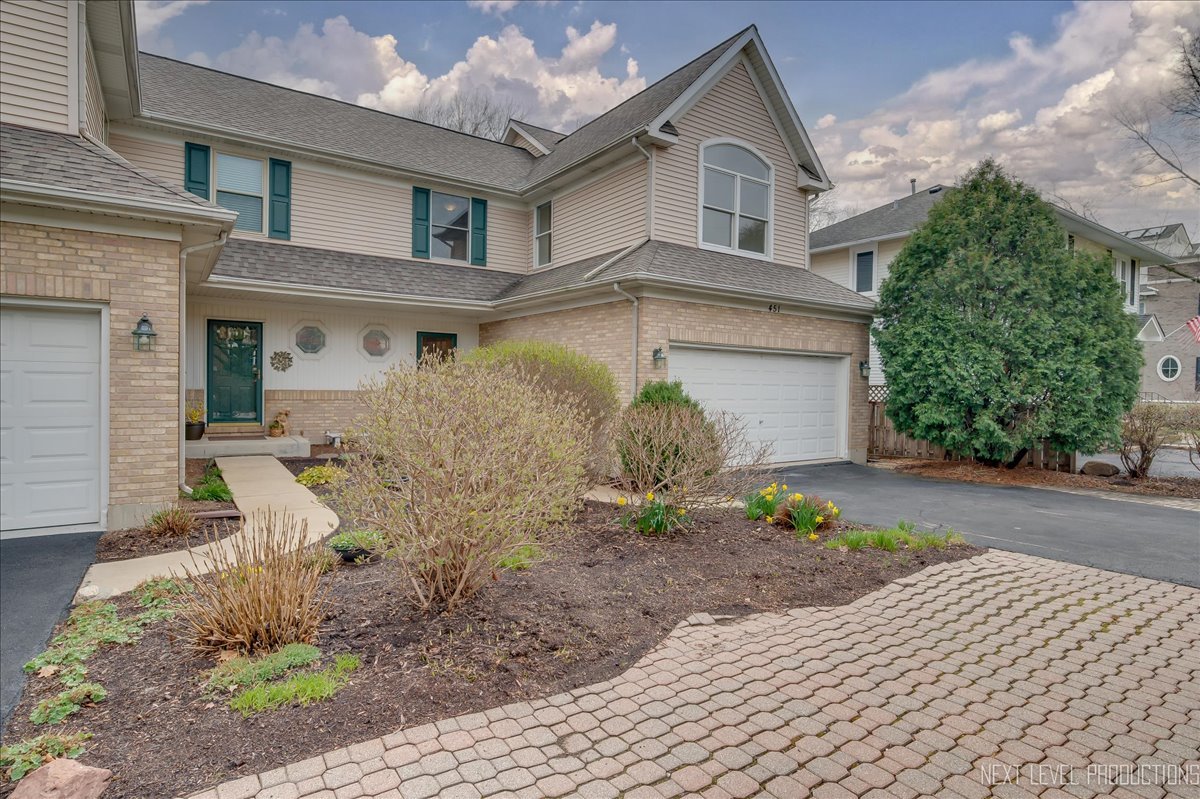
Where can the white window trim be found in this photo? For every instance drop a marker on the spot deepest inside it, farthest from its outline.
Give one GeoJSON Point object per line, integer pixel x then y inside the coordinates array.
{"type": "Point", "coordinates": [1178, 369]}
{"type": "Point", "coordinates": [549, 233]}
{"type": "Point", "coordinates": [852, 279]}
{"type": "Point", "coordinates": [216, 188]}
{"type": "Point", "coordinates": [769, 255]}
{"type": "Point", "coordinates": [454, 261]}
{"type": "Point", "coordinates": [301, 354]}
{"type": "Point", "coordinates": [387, 356]}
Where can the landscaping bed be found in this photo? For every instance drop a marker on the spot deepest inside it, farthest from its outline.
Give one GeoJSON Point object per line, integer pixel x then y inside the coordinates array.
{"type": "Point", "coordinates": [969, 472]}
{"type": "Point", "coordinates": [137, 542]}
{"type": "Point", "coordinates": [602, 598]}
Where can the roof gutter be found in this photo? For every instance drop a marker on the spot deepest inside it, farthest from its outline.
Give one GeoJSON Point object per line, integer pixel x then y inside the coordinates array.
{"type": "Point", "coordinates": [843, 245]}
{"type": "Point", "coordinates": [1114, 238]}
{"type": "Point", "coordinates": [300, 289]}
{"type": "Point", "coordinates": [19, 191]}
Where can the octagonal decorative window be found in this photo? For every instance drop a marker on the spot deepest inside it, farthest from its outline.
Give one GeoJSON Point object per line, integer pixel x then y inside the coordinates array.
{"type": "Point", "coordinates": [376, 342]}
{"type": "Point", "coordinates": [310, 339]}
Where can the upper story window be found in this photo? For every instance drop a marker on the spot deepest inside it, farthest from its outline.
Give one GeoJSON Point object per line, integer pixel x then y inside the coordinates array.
{"type": "Point", "coordinates": [735, 200]}
{"type": "Point", "coordinates": [542, 224]}
{"type": "Point", "coordinates": [450, 233]}
{"type": "Point", "coordinates": [864, 271]}
{"type": "Point", "coordinates": [240, 188]}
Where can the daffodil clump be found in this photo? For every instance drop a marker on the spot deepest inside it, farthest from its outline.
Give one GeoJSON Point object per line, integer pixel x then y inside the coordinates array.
{"type": "Point", "coordinates": [807, 515]}
{"type": "Point", "coordinates": [765, 503]}
{"type": "Point", "coordinates": [652, 514]}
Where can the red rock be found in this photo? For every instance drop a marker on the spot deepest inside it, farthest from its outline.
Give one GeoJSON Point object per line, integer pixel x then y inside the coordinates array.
{"type": "Point", "coordinates": [63, 779]}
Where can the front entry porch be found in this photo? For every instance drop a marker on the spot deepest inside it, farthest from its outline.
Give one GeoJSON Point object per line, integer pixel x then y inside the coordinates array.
{"type": "Point", "coordinates": [229, 446]}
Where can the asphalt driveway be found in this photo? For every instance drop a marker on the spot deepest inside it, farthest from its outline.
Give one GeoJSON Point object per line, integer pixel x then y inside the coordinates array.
{"type": "Point", "coordinates": [1129, 537]}
{"type": "Point", "coordinates": [38, 578]}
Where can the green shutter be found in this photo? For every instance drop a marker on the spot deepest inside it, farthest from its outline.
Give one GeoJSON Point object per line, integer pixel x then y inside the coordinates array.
{"type": "Point", "coordinates": [280, 226]}
{"type": "Point", "coordinates": [196, 168]}
{"type": "Point", "coordinates": [478, 232]}
{"type": "Point", "coordinates": [420, 223]}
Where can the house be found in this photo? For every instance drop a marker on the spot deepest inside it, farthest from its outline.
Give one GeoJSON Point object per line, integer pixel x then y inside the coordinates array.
{"type": "Point", "coordinates": [282, 247]}
{"type": "Point", "coordinates": [856, 252]}
{"type": "Point", "coordinates": [1170, 298]}
{"type": "Point", "coordinates": [1172, 240]}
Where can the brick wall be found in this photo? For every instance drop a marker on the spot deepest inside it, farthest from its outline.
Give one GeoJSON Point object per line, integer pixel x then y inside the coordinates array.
{"type": "Point", "coordinates": [312, 412]}
{"type": "Point", "coordinates": [603, 332]}
{"type": "Point", "coordinates": [133, 276]}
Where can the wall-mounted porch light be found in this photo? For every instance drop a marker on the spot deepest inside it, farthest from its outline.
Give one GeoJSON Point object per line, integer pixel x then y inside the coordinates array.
{"type": "Point", "coordinates": [660, 358]}
{"type": "Point", "coordinates": [864, 369]}
{"type": "Point", "coordinates": [143, 334]}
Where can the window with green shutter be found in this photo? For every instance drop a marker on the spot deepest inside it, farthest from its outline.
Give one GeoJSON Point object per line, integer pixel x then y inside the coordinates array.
{"type": "Point", "coordinates": [280, 226]}
{"type": "Point", "coordinates": [420, 223]}
{"type": "Point", "coordinates": [196, 168]}
{"type": "Point", "coordinates": [449, 227]}
{"type": "Point", "coordinates": [478, 232]}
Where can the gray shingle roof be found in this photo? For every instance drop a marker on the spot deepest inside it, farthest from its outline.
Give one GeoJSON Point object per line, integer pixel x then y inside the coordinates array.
{"type": "Point", "coordinates": [898, 216]}
{"type": "Point", "coordinates": [72, 162]}
{"type": "Point", "coordinates": [329, 269]}
{"type": "Point", "coordinates": [207, 97]}
{"type": "Point", "coordinates": [545, 137]}
{"type": "Point", "coordinates": [629, 117]}
{"type": "Point", "coordinates": [249, 259]}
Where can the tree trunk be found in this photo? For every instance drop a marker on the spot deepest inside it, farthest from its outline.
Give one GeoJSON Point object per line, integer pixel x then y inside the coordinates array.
{"type": "Point", "coordinates": [1016, 461]}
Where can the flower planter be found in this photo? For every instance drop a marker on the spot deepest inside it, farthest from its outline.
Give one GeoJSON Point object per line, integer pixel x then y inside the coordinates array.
{"type": "Point", "coordinates": [193, 431]}
{"type": "Point", "coordinates": [275, 432]}
{"type": "Point", "coordinates": [352, 555]}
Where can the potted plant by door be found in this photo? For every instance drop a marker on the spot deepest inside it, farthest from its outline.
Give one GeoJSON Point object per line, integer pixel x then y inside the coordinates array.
{"type": "Point", "coordinates": [193, 429]}
{"type": "Point", "coordinates": [278, 426]}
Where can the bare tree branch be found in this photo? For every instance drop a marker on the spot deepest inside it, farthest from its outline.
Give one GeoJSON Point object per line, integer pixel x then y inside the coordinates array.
{"type": "Point", "coordinates": [1179, 115]}
{"type": "Point", "coordinates": [476, 112]}
{"type": "Point", "coordinates": [824, 209]}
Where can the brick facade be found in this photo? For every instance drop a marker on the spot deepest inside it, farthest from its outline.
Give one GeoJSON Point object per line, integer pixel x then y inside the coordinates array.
{"type": "Point", "coordinates": [132, 276]}
{"type": "Point", "coordinates": [603, 332]}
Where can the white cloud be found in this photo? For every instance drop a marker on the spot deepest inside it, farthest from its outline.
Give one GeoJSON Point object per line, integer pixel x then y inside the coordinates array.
{"type": "Point", "coordinates": [497, 7]}
{"type": "Point", "coordinates": [1044, 110]}
{"type": "Point", "coordinates": [336, 60]}
{"type": "Point", "coordinates": [151, 15]}
{"type": "Point", "coordinates": [826, 121]}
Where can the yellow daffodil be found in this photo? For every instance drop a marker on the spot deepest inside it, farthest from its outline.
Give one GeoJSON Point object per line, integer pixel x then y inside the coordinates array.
{"type": "Point", "coordinates": [829, 504]}
{"type": "Point", "coordinates": [682, 511]}
{"type": "Point", "coordinates": [621, 501]}
{"type": "Point", "coordinates": [770, 520]}
{"type": "Point", "coordinates": [813, 536]}
{"type": "Point", "coordinates": [820, 519]}
{"type": "Point", "coordinates": [784, 487]}
{"type": "Point", "coordinates": [649, 496]}
{"type": "Point", "coordinates": [797, 497]}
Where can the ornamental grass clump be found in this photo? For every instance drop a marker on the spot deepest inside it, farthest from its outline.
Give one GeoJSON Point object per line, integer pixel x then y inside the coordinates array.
{"type": "Point", "coordinates": [261, 593]}
{"type": "Point", "coordinates": [172, 522]}
{"type": "Point", "coordinates": [459, 467]}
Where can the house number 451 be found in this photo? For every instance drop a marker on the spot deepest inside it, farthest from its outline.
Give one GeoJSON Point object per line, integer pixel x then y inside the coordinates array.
{"type": "Point", "coordinates": [772, 308]}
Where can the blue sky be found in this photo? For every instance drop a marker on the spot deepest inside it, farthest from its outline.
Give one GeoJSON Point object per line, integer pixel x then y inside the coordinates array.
{"type": "Point", "coordinates": [888, 90]}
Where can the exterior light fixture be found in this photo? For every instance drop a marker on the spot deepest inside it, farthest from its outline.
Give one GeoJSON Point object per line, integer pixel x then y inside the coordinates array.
{"type": "Point", "coordinates": [143, 334]}
{"type": "Point", "coordinates": [660, 358]}
{"type": "Point", "coordinates": [864, 369]}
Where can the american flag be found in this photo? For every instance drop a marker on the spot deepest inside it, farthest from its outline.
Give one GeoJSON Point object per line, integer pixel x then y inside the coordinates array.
{"type": "Point", "coordinates": [1194, 326]}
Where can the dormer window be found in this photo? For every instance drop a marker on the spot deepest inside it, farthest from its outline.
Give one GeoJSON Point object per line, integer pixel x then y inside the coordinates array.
{"type": "Point", "coordinates": [736, 199]}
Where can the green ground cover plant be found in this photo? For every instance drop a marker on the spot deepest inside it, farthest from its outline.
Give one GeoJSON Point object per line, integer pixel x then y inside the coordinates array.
{"type": "Point", "coordinates": [301, 688]}
{"type": "Point", "coordinates": [17, 760]}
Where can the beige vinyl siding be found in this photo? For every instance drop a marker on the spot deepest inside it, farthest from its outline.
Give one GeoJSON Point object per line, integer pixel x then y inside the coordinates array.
{"type": "Point", "coordinates": [605, 215]}
{"type": "Point", "coordinates": [161, 157]}
{"type": "Point", "coordinates": [510, 242]}
{"type": "Point", "coordinates": [95, 120]}
{"type": "Point", "coordinates": [35, 63]}
{"type": "Point", "coordinates": [521, 141]}
{"type": "Point", "coordinates": [734, 109]}
{"type": "Point", "coordinates": [834, 265]}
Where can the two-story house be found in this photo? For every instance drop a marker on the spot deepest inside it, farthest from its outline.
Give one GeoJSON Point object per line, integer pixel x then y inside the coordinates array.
{"type": "Point", "coordinates": [285, 246]}
{"type": "Point", "coordinates": [1170, 298]}
{"type": "Point", "coordinates": [856, 252]}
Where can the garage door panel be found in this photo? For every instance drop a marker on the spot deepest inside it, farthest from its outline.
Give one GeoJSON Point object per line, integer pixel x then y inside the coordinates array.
{"type": "Point", "coordinates": [789, 401]}
{"type": "Point", "coordinates": [50, 443]}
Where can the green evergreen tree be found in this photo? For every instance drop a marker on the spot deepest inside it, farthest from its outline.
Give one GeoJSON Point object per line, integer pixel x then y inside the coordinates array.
{"type": "Point", "coordinates": [994, 336]}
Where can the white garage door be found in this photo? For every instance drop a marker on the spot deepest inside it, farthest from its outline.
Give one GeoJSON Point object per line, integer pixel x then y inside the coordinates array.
{"type": "Point", "coordinates": [49, 418]}
{"type": "Point", "coordinates": [791, 401]}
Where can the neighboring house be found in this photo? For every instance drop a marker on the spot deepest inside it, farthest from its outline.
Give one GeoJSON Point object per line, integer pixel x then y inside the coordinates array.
{"type": "Point", "coordinates": [1172, 354]}
{"type": "Point", "coordinates": [856, 252]}
{"type": "Point", "coordinates": [1172, 240]}
{"type": "Point", "coordinates": [286, 246]}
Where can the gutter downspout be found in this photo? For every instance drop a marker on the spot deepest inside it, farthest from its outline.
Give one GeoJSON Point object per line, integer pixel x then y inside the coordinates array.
{"type": "Point", "coordinates": [649, 186]}
{"type": "Point", "coordinates": [617, 288]}
{"type": "Point", "coordinates": [184, 252]}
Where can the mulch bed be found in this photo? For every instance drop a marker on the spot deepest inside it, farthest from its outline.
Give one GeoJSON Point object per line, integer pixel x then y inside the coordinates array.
{"type": "Point", "coordinates": [603, 598]}
{"type": "Point", "coordinates": [137, 542]}
{"type": "Point", "coordinates": [966, 471]}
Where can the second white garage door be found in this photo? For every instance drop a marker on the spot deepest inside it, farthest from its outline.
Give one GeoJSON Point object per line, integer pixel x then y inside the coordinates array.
{"type": "Point", "coordinates": [49, 419]}
{"type": "Point", "coordinates": [795, 402]}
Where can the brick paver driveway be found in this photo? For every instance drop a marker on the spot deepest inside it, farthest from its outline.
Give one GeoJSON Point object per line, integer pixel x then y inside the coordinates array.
{"type": "Point", "coordinates": [1003, 675]}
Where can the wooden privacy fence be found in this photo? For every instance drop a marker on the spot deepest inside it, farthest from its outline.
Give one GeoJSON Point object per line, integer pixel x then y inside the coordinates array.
{"type": "Point", "coordinates": [886, 441]}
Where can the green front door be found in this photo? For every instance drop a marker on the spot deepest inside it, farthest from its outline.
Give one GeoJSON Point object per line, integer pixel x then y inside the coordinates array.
{"type": "Point", "coordinates": [234, 371]}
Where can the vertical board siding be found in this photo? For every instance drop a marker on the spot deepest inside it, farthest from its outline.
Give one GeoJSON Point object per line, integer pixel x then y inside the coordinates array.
{"type": "Point", "coordinates": [340, 366]}
{"type": "Point", "coordinates": [521, 141]}
{"type": "Point", "coordinates": [34, 64]}
{"type": "Point", "coordinates": [603, 216]}
{"type": "Point", "coordinates": [732, 108]}
{"type": "Point", "coordinates": [95, 120]}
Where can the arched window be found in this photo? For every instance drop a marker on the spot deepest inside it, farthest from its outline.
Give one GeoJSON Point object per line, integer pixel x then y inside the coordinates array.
{"type": "Point", "coordinates": [736, 199]}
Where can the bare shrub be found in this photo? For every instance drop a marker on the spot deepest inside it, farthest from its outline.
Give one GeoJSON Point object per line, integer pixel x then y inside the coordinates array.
{"type": "Point", "coordinates": [172, 522]}
{"type": "Point", "coordinates": [1150, 426]}
{"type": "Point", "coordinates": [459, 468]}
{"type": "Point", "coordinates": [262, 593]}
{"type": "Point", "coordinates": [686, 458]}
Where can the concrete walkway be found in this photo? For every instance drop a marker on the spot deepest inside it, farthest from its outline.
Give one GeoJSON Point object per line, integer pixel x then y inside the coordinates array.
{"type": "Point", "coordinates": [260, 484]}
{"type": "Point", "coordinates": [929, 686]}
